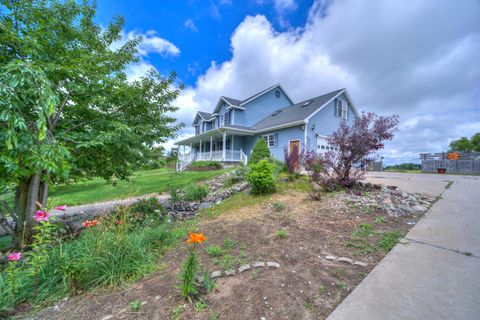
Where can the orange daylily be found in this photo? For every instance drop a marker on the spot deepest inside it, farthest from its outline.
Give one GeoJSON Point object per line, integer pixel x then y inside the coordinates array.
{"type": "Point", "coordinates": [196, 238]}
{"type": "Point", "coordinates": [453, 156]}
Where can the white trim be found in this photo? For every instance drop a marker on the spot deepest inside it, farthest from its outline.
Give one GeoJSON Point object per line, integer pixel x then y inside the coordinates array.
{"type": "Point", "coordinates": [235, 107]}
{"type": "Point", "coordinates": [281, 126]}
{"type": "Point", "coordinates": [233, 117]}
{"type": "Point", "coordinates": [305, 136]}
{"type": "Point", "coordinates": [268, 139]}
{"type": "Point", "coordinates": [265, 91]}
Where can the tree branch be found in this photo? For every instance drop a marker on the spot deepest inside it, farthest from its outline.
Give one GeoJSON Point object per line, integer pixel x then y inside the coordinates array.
{"type": "Point", "coordinates": [59, 112]}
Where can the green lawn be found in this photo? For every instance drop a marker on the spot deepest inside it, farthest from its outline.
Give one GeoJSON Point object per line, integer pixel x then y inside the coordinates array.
{"type": "Point", "coordinates": [142, 182]}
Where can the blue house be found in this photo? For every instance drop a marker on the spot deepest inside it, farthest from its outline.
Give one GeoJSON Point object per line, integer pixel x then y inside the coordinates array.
{"type": "Point", "coordinates": [229, 132]}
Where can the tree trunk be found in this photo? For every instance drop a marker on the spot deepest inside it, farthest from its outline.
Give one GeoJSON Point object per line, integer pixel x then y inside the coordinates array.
{"type": "Point", "coordinates": [43, 193]}
{"type": "Point", "coordinates": [26, 196]}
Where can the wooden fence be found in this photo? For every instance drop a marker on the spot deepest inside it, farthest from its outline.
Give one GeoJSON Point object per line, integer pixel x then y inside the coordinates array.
{"type": "Point", "coordinates": [467, 163]}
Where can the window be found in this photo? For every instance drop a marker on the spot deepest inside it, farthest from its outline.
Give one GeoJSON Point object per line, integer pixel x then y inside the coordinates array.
{"type": "Point", "coordinates": [341, 109]}
{"type": "Point", "coordinates": [226, 118]}
{"type": "Point", "coordinates": [269, 139]}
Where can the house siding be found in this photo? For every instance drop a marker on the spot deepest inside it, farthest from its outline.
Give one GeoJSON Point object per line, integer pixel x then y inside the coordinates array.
{"type": "Point", "coordinates": [283, 138]}
{"type": "Point", "coordinates": [326, 122]}
{"type": "Point", "coordinates": [261, 107]}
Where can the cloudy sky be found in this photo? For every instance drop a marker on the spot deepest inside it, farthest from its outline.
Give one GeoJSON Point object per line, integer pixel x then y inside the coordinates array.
{"type": "Point", "coordinates": [417, 59]}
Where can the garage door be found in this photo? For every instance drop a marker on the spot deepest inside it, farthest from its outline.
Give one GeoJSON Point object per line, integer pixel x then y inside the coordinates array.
{"type": "Point", "coordinates": [323, 146]}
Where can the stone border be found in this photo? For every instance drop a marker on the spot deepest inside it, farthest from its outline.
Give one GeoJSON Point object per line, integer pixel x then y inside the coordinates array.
{"type": "Point", "coordinates": [245, 267]}
{"type": "Point", "coordinates": [346, 260]}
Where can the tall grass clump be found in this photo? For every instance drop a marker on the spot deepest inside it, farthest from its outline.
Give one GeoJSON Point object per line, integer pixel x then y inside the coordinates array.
{"type": "Point", "coordinates": [111, 252]}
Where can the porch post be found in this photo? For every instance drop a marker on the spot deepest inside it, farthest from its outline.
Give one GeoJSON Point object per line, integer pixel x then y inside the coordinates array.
{"type": "Point", "coordinates": [211, 148]}
{"type": "Point", "coordinates": [201, 149]}
{"type": "Point", "coordinates": [224, 152]}
{"type": "Point", "coordinates": [231, 148]}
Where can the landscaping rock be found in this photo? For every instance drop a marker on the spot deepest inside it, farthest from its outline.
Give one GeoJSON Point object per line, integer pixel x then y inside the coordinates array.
{"type": "Point", "coordinates": [272, 264]}
{"type": "Point", "coordinates": [108, 317]}
{"type": "Point", "coordinates": [331, 258]}
{"type": "Point", "coordinates": [205, 205]}
{"type": "Point", "coordinates": [243, 268]}
{"type": "Point", "coordinates": [216, 274]}
{"type": "Point", "coordinates": [419, 208]}
{"type": "Point", "coordinates": [229, 273]}
{"type": "Point", "coordinates": [347, 260]}
{"type": "Point", "coordinates": [360, 263]}
{"type": "Point", "coordinates": [258, 264]}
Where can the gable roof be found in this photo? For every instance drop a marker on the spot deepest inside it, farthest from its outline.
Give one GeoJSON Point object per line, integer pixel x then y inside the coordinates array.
{"type": "Point", "coordinates": [233, 102]}
{"type": "Point", "coordinates": [204, 115]}
{"type": "Point", "coordinates": [265, 91]}
{"type": "Point", "coordinates": [297, 112]}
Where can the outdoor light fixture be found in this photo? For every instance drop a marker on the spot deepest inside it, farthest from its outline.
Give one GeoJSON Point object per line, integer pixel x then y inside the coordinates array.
{"type": "Point", "coordinates": [313, 127]}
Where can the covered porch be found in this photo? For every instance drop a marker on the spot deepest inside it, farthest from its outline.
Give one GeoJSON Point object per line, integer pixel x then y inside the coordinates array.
{"type": "Point", "coordinates": [216, 145]}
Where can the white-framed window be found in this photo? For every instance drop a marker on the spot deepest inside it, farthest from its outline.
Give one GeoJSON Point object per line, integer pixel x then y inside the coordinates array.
{"type": "Point", "coordinates": [341, 109]}
{"type": "Point", "coordinates": [269, 139]}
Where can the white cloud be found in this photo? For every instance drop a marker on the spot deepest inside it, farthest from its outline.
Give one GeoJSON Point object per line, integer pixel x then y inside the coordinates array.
{"type": "Point", "coordinates": [285, 5]}
{"type": "Point", "coordinates": [189, 24]}
{"type": "Point", "coordinates": [135, 71]}
{"type": "Point", "coordinates": [151, 43]}
{"type": "Point", "coordinates": [415, 59]}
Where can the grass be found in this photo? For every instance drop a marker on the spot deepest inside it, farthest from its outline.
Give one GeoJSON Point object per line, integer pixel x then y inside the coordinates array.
{"type": "Point", "coordinates": [449, 184]}
{"type": "Point", "coordinates": [241, 200]}
{"type": "Point", "coordinates": [281, 234]}
{"type": "Point", "coordinates": [214, 251]}
{"type": "Point", "coordinates": [5, 242]}
{"type": "Point", "coordinates": [366, 240]}
{"type": "Point", "coordinates": [141, 183]}
{"type": "Point", "coordinates": [106, 256]}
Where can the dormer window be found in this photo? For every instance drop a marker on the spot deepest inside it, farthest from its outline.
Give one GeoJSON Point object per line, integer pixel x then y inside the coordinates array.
{"type": "Point", "coordinates": [341, 109]}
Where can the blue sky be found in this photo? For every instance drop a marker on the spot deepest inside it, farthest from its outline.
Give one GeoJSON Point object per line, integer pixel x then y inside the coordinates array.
{"type": "Point", "coordinates": [201, 29]}
{"type": "Point", "coordinates": [417, 58]}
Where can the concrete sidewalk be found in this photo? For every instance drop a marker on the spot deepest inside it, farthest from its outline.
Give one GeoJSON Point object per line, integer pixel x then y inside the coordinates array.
{"type": "Point", "coordinates": [436, 273]}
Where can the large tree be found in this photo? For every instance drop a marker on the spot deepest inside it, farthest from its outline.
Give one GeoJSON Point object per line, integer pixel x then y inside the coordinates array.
{"type": "Point", "coordinates": [67, 110]}
{"type": "Point", "coordinates": [466, 145]}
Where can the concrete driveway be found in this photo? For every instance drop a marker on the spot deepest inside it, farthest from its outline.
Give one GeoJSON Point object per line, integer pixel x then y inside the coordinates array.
{"type": "Point", "coordinates": [435, 272]}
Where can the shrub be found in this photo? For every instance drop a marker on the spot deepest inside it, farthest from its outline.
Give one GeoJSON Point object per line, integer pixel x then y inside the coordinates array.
{"type": "Point", "coordinates": [356, 145]}
{"type": "Point", "coordinates": [278, 165]}
{"type": "Point", "coordinates": [202, 164]}
{"type": "Point", "coordinates": [144, 212]}
{"type": "Point", "coordinates": [260, 151]}
{"type": "Point", "coordinates": [261, 177]}
{"type": "Point", "coordinates": [318, 178]}
{"type": "Point", "coordinates": [292, 159]}
{"type": "Point", "coordinates": [194, 192]}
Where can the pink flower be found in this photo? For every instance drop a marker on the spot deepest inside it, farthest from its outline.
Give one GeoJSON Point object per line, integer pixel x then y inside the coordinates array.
{"type": "Point", "coordinates": [63, 208]}
{"type": "Point", "coordinates": [41, 216]}
{"type": "Point", "coordinates": [14, 256]}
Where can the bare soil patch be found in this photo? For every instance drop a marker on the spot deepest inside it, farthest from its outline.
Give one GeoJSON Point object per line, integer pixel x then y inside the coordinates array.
{"type": "Point", "coordinates": [306, 286]}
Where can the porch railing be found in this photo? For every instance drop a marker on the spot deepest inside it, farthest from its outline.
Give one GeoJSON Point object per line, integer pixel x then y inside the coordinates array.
{"type": "Point", "coordinates": [185, 160]}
